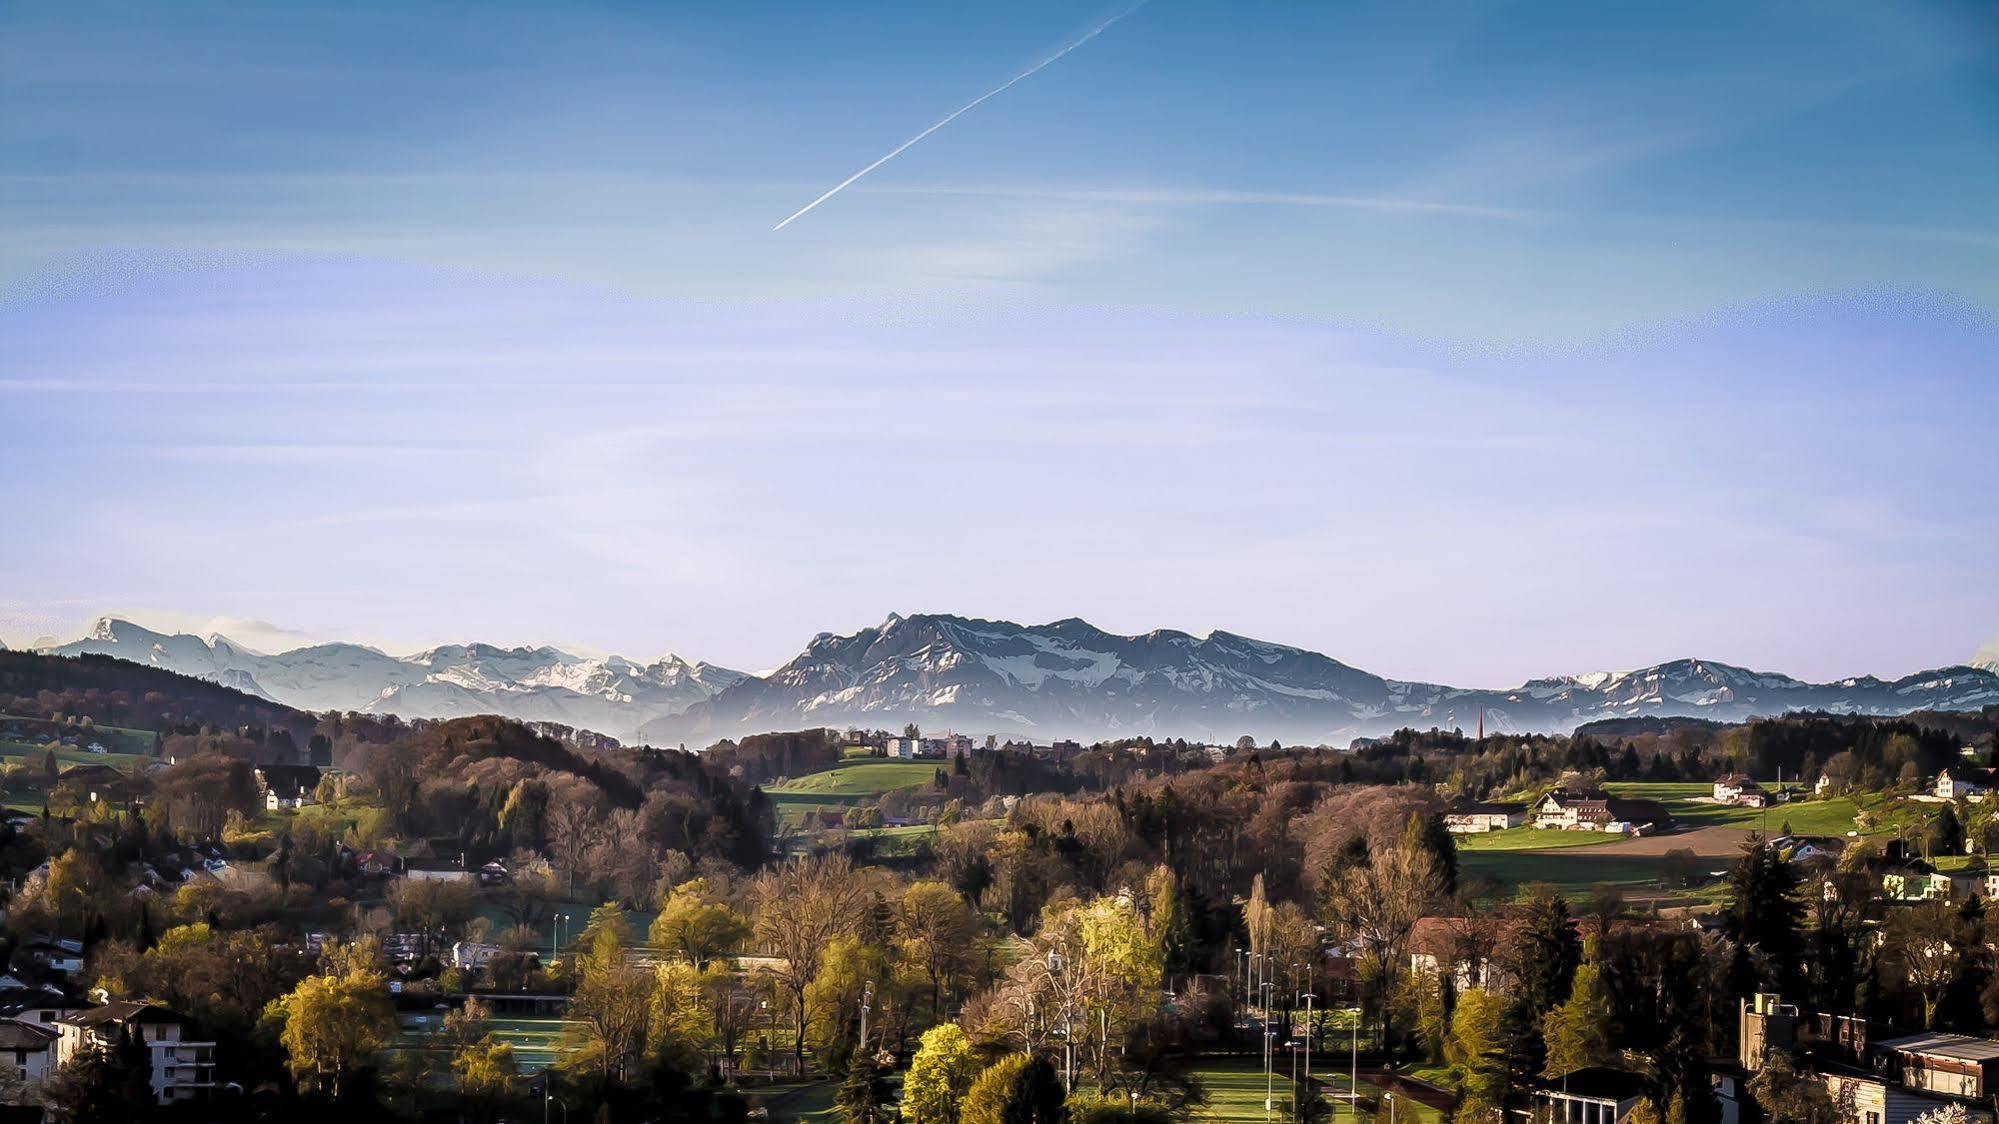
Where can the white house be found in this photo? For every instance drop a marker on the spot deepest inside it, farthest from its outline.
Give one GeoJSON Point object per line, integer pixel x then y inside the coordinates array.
{"type": "Point", "coordinates": [1478, 817]}
{"type": "Point", "coordinates": [182, 1069]}
{"type": "Point", "coordinates": [1962, 783]}
{"type": "Point", "coordinates": [1741, 789]}
{"type": "Point", "coordinates": [28, 1045]}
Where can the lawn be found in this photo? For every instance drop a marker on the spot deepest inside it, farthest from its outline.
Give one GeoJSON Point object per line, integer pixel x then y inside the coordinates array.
{"type": "Point", "coordinates": [118, 739]}
{"type": "Point", "coordinates": [1806, 817]}
{"type": "Point", "coordinates": [810, 1103]}
{"type": "Point", "coordinates": [1575, 873]}
{"type": "Point", "coordinates": [861, 778]}
{"type": "Point", "coordinates": [846, 784]}
{"type": "Point", "coordinates": [67, 755]}
{"type": "Point", "coordinates": [1235, 1092]}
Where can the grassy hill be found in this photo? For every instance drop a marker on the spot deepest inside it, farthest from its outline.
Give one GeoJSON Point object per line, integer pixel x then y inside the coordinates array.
{"type": "Point", "coordinates": [846, 784]}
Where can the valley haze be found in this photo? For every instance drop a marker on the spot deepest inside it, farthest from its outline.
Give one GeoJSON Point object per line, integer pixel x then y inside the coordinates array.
{"type": "Point", "coordinates": [1063, 680]}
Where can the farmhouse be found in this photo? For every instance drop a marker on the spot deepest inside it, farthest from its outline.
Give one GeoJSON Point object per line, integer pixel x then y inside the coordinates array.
{"type": "Point", "coordinates": [1962, 782]}
{"type": "Point", "coordinates": [1566, 809]}
{"type": "Point", "coordinates": [1468, 817]}
{"type": "Point", "coordinates": [1741, 789]}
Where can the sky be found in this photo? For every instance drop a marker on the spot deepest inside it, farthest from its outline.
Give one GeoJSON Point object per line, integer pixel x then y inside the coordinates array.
{"type": "Point", "coordinates": [1465, 343]}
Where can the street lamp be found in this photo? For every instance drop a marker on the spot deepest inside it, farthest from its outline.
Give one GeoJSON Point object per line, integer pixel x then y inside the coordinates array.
{"type": "Point", "coordinates": [1269, 1047]}
{"type": "Point", "coordinates": [1308, 1042]}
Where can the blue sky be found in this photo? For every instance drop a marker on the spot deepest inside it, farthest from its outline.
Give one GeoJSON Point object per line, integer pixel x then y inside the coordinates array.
{"type": "Point", "coordinates": [1465, 343]}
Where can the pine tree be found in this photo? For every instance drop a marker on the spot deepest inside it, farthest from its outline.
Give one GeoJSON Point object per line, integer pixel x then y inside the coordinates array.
{"type": "Point", "coordinates": [1762, 920]}
{"type": "Point", "coordinates": [864, 1094]}
{"type": "Point", "coordinates": [104, 1086]}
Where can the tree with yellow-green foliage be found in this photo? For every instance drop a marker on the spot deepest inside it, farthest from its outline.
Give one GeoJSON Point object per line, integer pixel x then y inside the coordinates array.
{"type": "Point", "coordinates": [940, 1075]}
{"type": "Point", "coordinates": [851, 972]}
{"type": "Point", "coordinates": [1476, 1052]}
{"type": "Point", "coordinates": [682, 1020]}
{"type": "Point", "coordinates": [1017, 1089]}
{"type": "Point", "coordinates": [612, 1009]}
{"type": "Point", "coordinates": [486, 1071]}
{"type": "Point", "coordinates": [697, 925]}
{"type": "Point", "coordinates": [1578, 1032]}
{"type": "Point", "coordinates": [332, 1024]}
{"type": "Point", "coordinates": [938, 935]}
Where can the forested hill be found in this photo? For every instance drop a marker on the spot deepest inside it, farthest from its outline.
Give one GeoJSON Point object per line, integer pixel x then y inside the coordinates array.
{"type": "Point", "coordinates": [479, 786]}
{"type": "Point", "coordinates": [114, 692]}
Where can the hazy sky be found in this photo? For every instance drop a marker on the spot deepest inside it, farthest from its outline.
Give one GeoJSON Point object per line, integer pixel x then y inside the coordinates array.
{"type": "Point", "coordinates": [1465, 343]}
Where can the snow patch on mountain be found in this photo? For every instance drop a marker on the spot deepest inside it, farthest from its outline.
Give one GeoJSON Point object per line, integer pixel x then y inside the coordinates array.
{"type": "Point", "coordinates": [612, 695]}
{"type": "Point", "coordinates": [1070, 679]}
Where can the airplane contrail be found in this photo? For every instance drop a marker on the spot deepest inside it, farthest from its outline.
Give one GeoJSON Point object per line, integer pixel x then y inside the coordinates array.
{"type": "Point", "coordinates": [961, 111]}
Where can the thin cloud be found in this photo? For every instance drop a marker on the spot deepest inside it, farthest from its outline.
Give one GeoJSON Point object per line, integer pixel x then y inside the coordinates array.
{"type": "Point", "coordinates": [1220, 197]}
{"type": "Point", "coordinates": [330, 453]}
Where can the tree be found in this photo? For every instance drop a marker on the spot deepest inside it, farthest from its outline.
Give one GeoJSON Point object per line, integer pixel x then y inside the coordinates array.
{"type": "Point", "coordinates": [1257, 918]}
{"type": "Point", "coordinates": [1017, 1089]}
{"type": "Point", "coordinates": [530, 887]}
{"type": "Point", "coordinates": [1945, 835]}
{"type": "Point", "coordinates": [1578, 1033]}
{"type": "Point", "coordinates": [938, 934]}
{"type": "Point", "coordinates": [1375, 905]}
{"type": "Point", "coordinates": [1476, 1051]}
{"type": "Point", "coordinates": [940, 1075]}
{"type": "Point", "coordinates": [863, 1096]}
{"type": "Point", "coordinates": [1790, 1097]}
{"type": "Point", "coordinates": [1762, 920]}
{"type": "Point", "coordinates": [1544, 951]}
{"type": "Point", "coordinates": [104, 1086]}
{"type": "Point", "coordinates": [609, 1016]}
{"type": "Point", "coordinates": [335, 1022]}
{"type": "Point", "coordinates": [486, 1073]}
{"type": "Point", "coordinates": [683, 1017]}
{"type": "Point", "coordinates": [800, 908]}
{"type": "Point", "coordinates": [696, 925]}
{"type": "Point", "coordinates": [432, 908]}
{"type": "Point", "coordinates": [851, 972]}
{"type": "Point", "coordinates": [1926, 945]}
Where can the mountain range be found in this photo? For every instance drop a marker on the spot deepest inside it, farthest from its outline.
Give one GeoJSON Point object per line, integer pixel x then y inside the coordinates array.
{"type": "Point", "coordinates": [610, 695]}
{"type": "Point", "coordinates": [1067, 679]}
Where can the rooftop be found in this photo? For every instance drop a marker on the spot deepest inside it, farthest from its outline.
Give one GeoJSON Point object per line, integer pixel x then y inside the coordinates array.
{"type": "Point", "coordinates": [1961, 1047]}
{"type": "Point", "coordinates": [122, 1011]}
{"type": "Point", "coordinates": [1598, 1083]}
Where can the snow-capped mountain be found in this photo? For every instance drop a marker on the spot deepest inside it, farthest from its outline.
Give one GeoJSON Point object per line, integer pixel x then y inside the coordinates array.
{"type": "Point", "coordinates": [611, 695]}
{"type": "Point", "coordinates": [1988, 656]}
{"type": "Point", "coordinates": [1068, 679]}
{"type": "Point", "coordinates": [1071, 679]}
